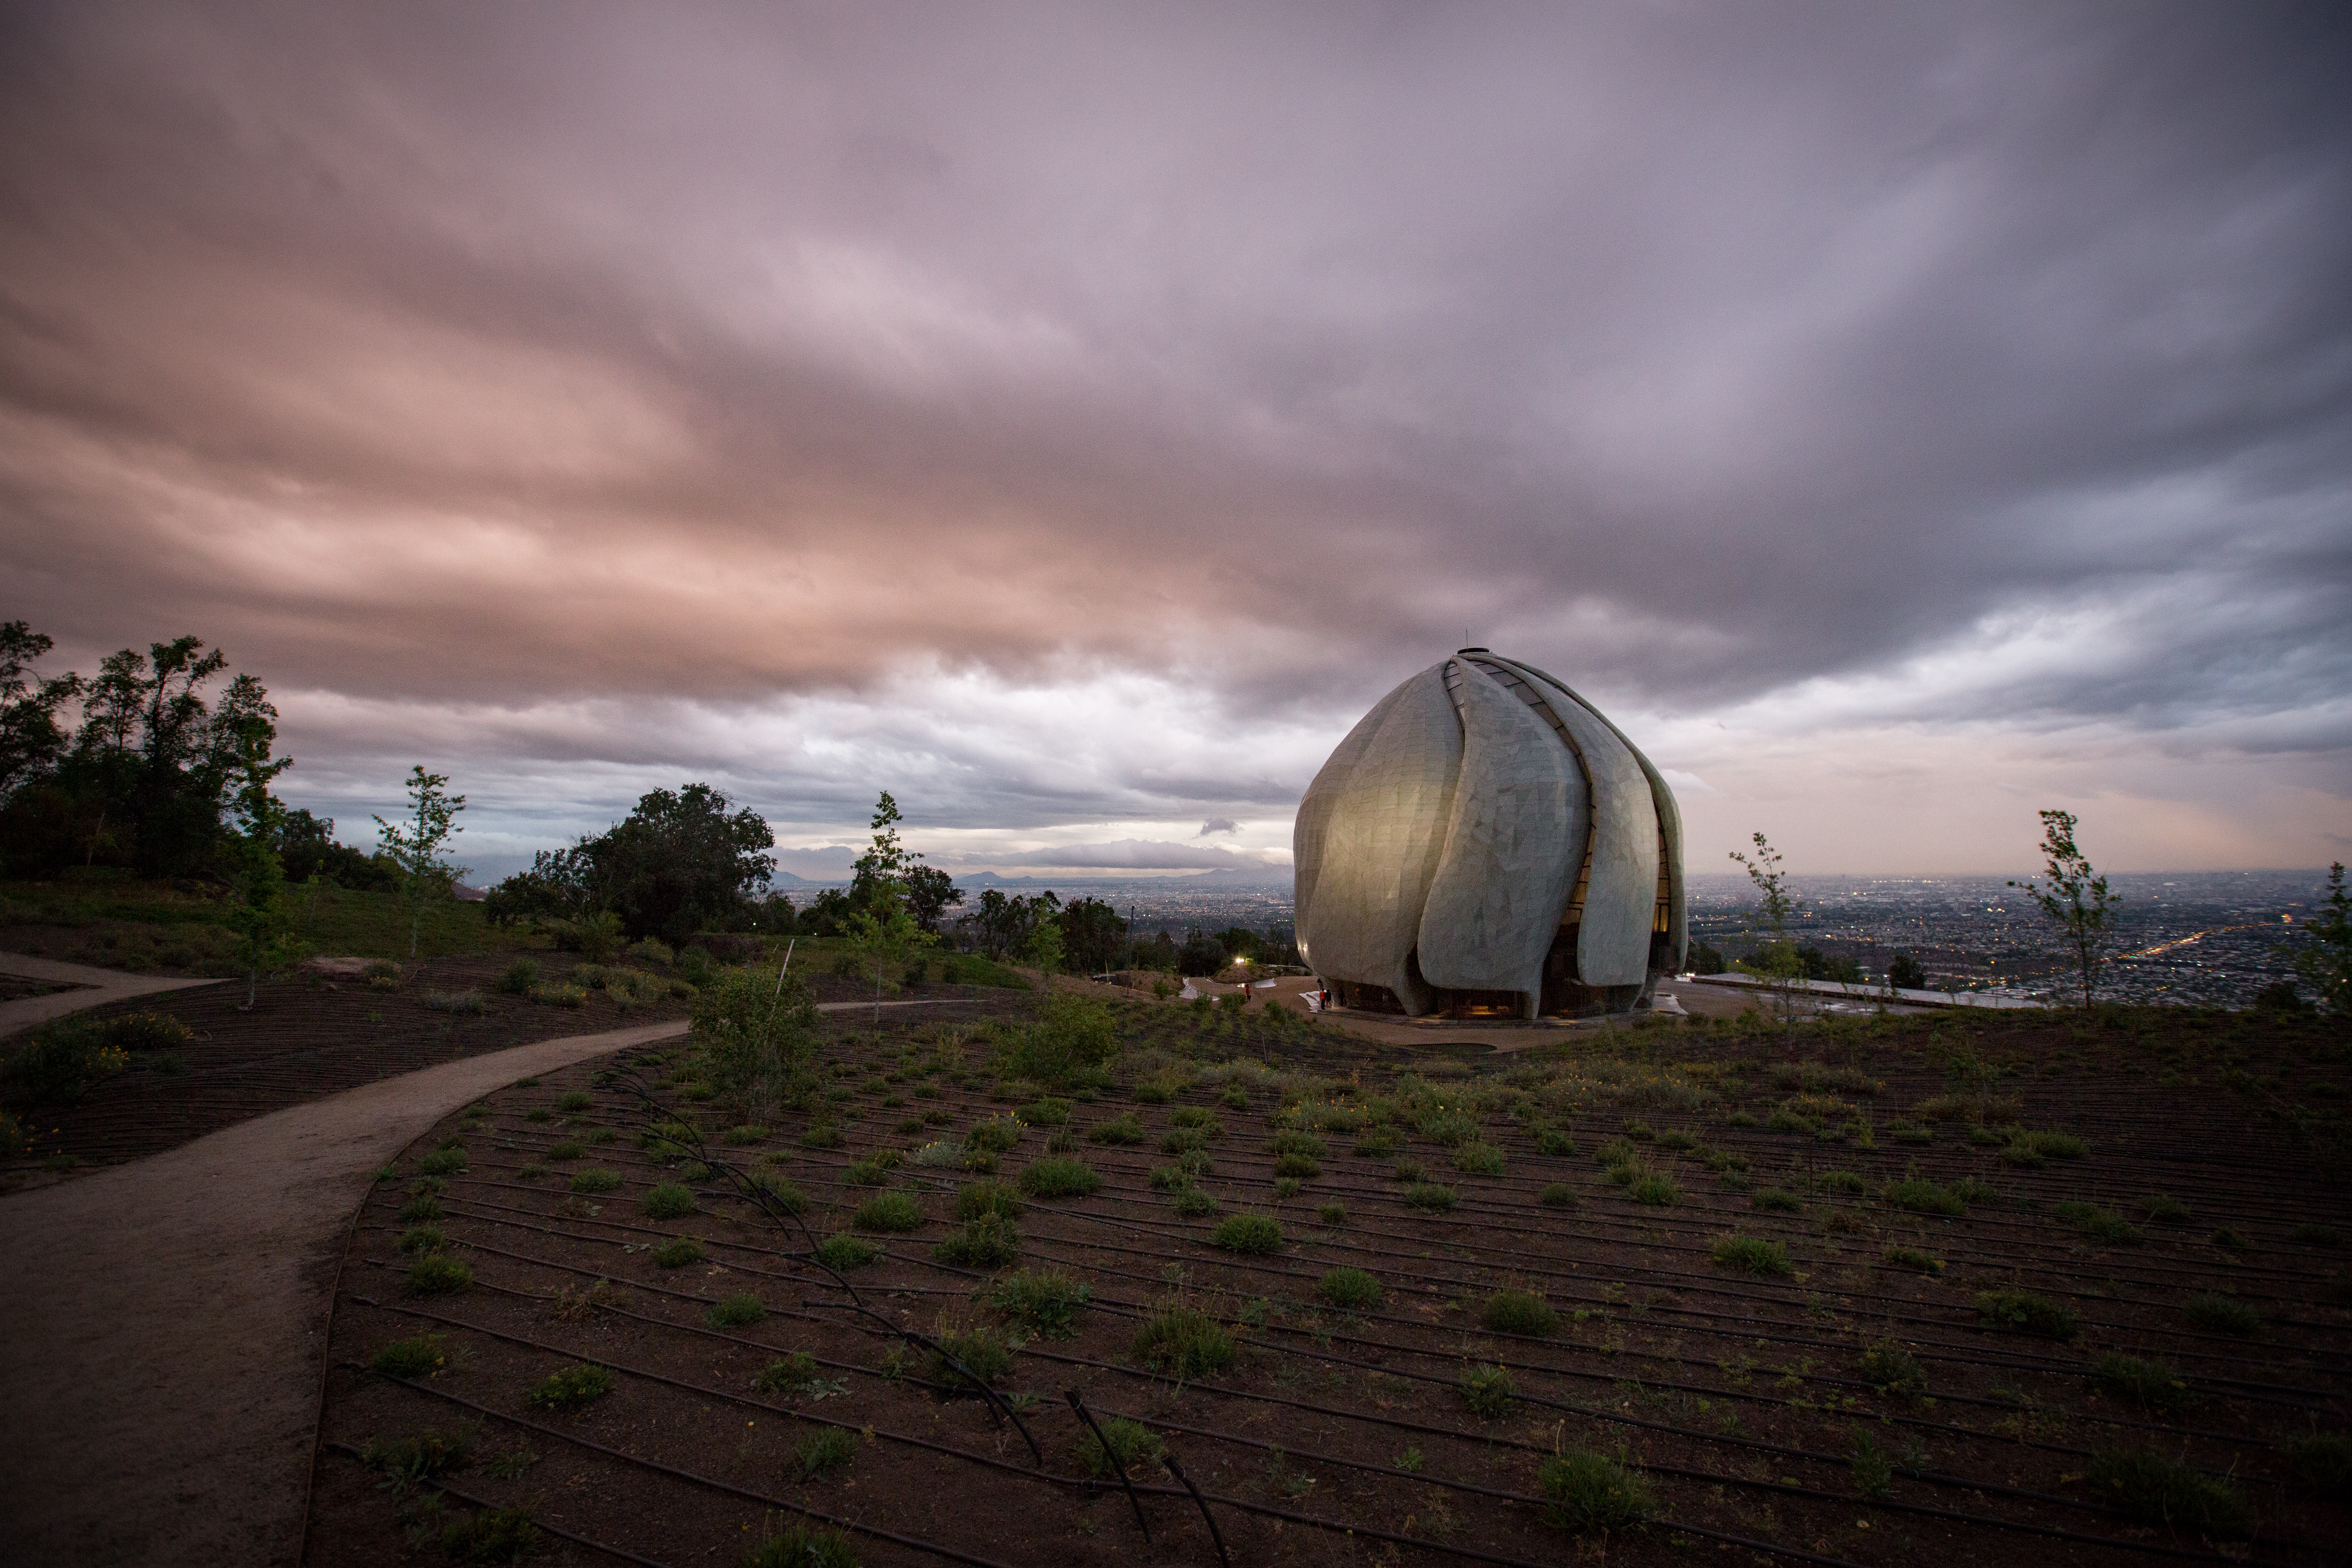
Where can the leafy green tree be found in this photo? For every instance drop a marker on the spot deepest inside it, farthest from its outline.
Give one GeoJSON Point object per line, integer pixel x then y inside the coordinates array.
{"type": "Point", "coordinates": [1093, 938]}
{"type": "Point", "coordinates": [929, 893]}
{"type": "Point", "coordinates": [682, 862]}
{"type": "Point", "coordinates": [260, 914]}
{"type": "Point", "coordinates": [1907, 972]}
{"type": "Point", "coordinates": [759, 1035]}
{"type": "Point", "coordinates": [415, 844]}
{"type": "Point", "coordinates": [1777, 961]}
{"type": "Point", "coordinates": [2325, 961]}
{"type": "Point", "coordinates": [1201, 954]}
{"type": "Point", "coordinates": [31, 738]}
{"type": "Point", "coordinates": [884, 933]}
{"type": "Point", "coordinates": [2075, 897]}
{"type": "Point", "coordinates": [148, 779]}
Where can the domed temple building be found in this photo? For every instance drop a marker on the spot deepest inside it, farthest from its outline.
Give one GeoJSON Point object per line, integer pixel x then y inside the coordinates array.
{"type": "Point", "coordinates": [1485, 844]}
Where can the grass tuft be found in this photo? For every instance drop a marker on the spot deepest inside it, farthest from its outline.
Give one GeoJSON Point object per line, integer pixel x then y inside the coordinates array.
{"type": "Point", "coordinates": [736, 1312]}
{"type": "Point", "coordinates": [1751, 1255]}
{"type": "Point", "coordinates": [803, 1546]}
{"type": "Point", "coordinates": [1558, 1196]}
{"type": "Point", "coordinates": [1252, 1235]}
{"type": "Point", "coordinates": [2221, 1315]}
{"type": "Point", "coordinates": [843, 1250]}
{"type": "Point", "coordinates": [1891, 1369]}
{"type": "Point", "coordinates": [1183, 1342]}
{"type": "Point", "coordinates": [1352, 1290]}
{"type": "Point", "coordinates": [2159, 1489]}
{"type": "Point", "coordinates": [894, 1213]}
{"type": "Point", "coordinates": [596, 1179]}
{"type": "Point", "coordinates": [1911, 1259]}
{"type": "Point", "coordinates": [2022, 1311]}
{"type": "Point", "coordinates": [418, 1356]}
{"type": "Point", "coordinates": [825, 1453]}
{"type": "Point", "coordinates": [991, 1241]}
{"type": "Point", "coordinates": [678, 1253]}
{"type": "Point", "coordinates": [569, 1387]}
{"type": "Point", "coordinates": [1059, 1179]}
{"type": "Point", "coordinates": [668, 1200]}
{"type": "Point", "coordinates": [1429, 1195]}
{"type": "Point", "coordinates": [1131, 1441]}
{"type": "Point", "coordinates": [437, 1274]}
{"type": "Point", "coordinates": [1586, 1493]}
{"type": "Point", "coordinates": [1045, 1301]}
{"type": "Point", "coordinates": [1519, 1312]}
{"type": "Point", "coordinates": [2150, 1384]}
{"type": "Point", "coordinates": [1487, 1391]}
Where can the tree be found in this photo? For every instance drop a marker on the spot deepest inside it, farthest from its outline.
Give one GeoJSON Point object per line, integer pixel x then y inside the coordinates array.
{"type": "Point", "coordinates": [1907, 972]}
{"type": "Point", "coordinates": [414, 844]}
{"type": "Point", "coordinates": [31, 740]}
{"type": "Point", "coordinates": [1093, 936]}
{"type": "Point", "coordinates": [884, 933]}
{"type": "Point", "coordinates": [148, 777]}
{"type": "Point", "coordinates": [1201, 955]}
{"type": "Point", "coordinates": [682, 862]}
{"type": "Point", "coordinates": [1777, 961]}
{"type": "Point", "coordinates": [929, 891]}
{"type": "Point", "coordinates": [2074, 896]}
{"type": "Point", "coordinates": [260, 917]}
{"type": "Point", "coordinates": [2325, 963]}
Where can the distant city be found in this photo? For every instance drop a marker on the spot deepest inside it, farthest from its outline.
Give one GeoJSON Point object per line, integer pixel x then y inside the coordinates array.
{"type": "Point", "coordinates": [2195, 938]}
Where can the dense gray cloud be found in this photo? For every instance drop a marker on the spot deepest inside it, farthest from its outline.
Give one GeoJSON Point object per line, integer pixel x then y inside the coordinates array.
{"type": "Point", "coordinates": [1072, 418]}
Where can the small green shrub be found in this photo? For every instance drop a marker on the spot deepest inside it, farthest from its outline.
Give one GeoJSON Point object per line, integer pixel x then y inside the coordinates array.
{"type": "Point", "coordinates": [1839, 1181]}
{"type": "Point", "coordinates": [1657, 1189]}
{"type": "Point", "coordinates": [596, 1179]}
{"type": "Point", "coordinates": [2033, 1148]}
{"type": "Point", "coordinates": [824, 1135]}
{"type": "Point", "coordinates": [1487, 1391]}
{"type": "Point", "coordinates": [1045, 1301]}
{"type": "Point", "coordinates": [1123, 1129]}
{"type": "Point", "coordinates": [1920, 1195]}
{"type": "Point", "coordinates": [572, 1101]}
{"type": "Point", "coordinates": [1352, 1290]}
{"type": "Point", "coordinates": [982, 1353]}
{"type": "Point", "coordinates": [825, 1453]}
{"type": "Point", "coordinates": [422, 1207]}
{"type": "Point", "coordinates": [678, 1253]}
{"type": "Point", "coordinates": [437, 1274]}
{"type": "Point", "coordinates": [991, 1241]}
{"type": "Point", "coordinates": [1194, 1204]}
{"type": "Point", "coordinates": [996, 1135]}
{"type": "Point", "coordinates": [843, 1250]}
{"type": "Point", "coordinates": [443, 1163]}
{"type": "Point", "coordinates": [1553, 1142]}
{"type": "Point", "coordinates": [1131, 1441]}
{"type": "Point", "coordinates": [1891, 1369]}
{"type": "Point", "coordinates": [803, 1546]}
{"type": "Point", "coordinates": [405, 1461]}
{"type": "Point", "coordinates": [1478, 1159]}
{"type": "Point", "coordinates": [2150, 1384]}
{"type": "Point", "coordinates": [893, 1212]}
{"type": "Point", "coordinates": [1585, 1493]}
{"type": "Point", "coordinates": [667, 1200]}
{"type": "Point", "coordinates": [978, 1200]}
{"type": "Point", "coordinates": [1405, 1171]}
{"type": "Point", "coordinates": [791, 1374]}
{"type": "Point", "coordinates": [1773, 1200]}
{"type": "Point", "coordinates": [736, 1312]}
{"type": "Point", "coordinates": [1558, 1196]}
{"type": "Point", "coordinates": [1911, 1259]}
{"type": "Point", "coordinates": [572, 1386]}
{"type": "Point", "coordinates": [423, 1239]}
{"type": "Point", "coordinates": [1059, 1179]}
{"type": "Point", "coordinates": [783, 1195]}
{"type": "Point", "coordinates": [418, 1356]}
{"type": "Point", "coordinates": [1519, 1312]}
{"type": "Point", "coordinates": [1751, 1255]}
{"type": "Point", "coordinates": [2159, 1489]}
{"type": "Point", "coordinates": [1183, 1342]}
{"type": "Point", "coordinates": [1297, 1167]}
{"type": "Point", "coordinates": [520, 977]}
{"type": "Point", "coordinates": [1429, 1195]}
{"type": "Point", "coordinates": [1332, 1214]}
{"type": "Point", "coordinates": [1293, 1142]}
{"type": "Point", "coordinates": [2024, 1312]}
{"type": "Point", "coordinates": [2221, 1315]}
{"type": "Point", "coordinates": [2098, 1223]}
{"type": "Point", "coordinates": [1253, 1235]}
{"type": "Point", "coordinates": [2162, 1210]}
{"type": "Point", "coordinates": [2315, 1236]}
{"type": "Point", "coordinates": [1380, 1143]}
{"type": "Point", "coordinates": [1046, 1112]}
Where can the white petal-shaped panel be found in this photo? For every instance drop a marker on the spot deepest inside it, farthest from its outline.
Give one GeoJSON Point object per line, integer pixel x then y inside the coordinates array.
{"type": "Point", "coordinates": [1670, 821]}
{"type": "Point", "coordinates": [1613, 947]}
{"type": "Point", "coordinates": [1372, 827]}
{"type": "Point", "coordinates": [1512, 850]}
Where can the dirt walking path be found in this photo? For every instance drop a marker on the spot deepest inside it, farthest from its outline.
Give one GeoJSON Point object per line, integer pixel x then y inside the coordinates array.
{"type": "Point", "coordinates": [92, 987]}
{"type": "Point", "coordinates": [161, 1322]}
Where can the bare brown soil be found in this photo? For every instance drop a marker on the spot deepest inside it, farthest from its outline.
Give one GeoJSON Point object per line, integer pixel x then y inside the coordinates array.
{"type": "Point", "coordinates": [1743, 1401]}
{"type": "Point", "coordinates": [309, 1035]}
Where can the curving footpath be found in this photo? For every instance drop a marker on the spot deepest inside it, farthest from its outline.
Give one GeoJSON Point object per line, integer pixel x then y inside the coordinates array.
{"type": "Point", "coordinates": [93, 987]}
{"type": "Point", "coordinates": [161, 1324]}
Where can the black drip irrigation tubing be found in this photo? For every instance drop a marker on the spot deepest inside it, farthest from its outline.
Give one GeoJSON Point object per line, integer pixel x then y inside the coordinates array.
{"type": "Point", "coordinates": [1708, 1285]}
{"type": "Point", "coordinates": [623, 1553]}
{"type": "Point", "coordinates": [1777, 1487]}
{"type": "Point", "coordinates": [1087, 1485]}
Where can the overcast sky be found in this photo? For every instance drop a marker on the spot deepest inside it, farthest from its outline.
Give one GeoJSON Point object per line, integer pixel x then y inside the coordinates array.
{"type": "Point", "coordinates": [1072, 419]}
